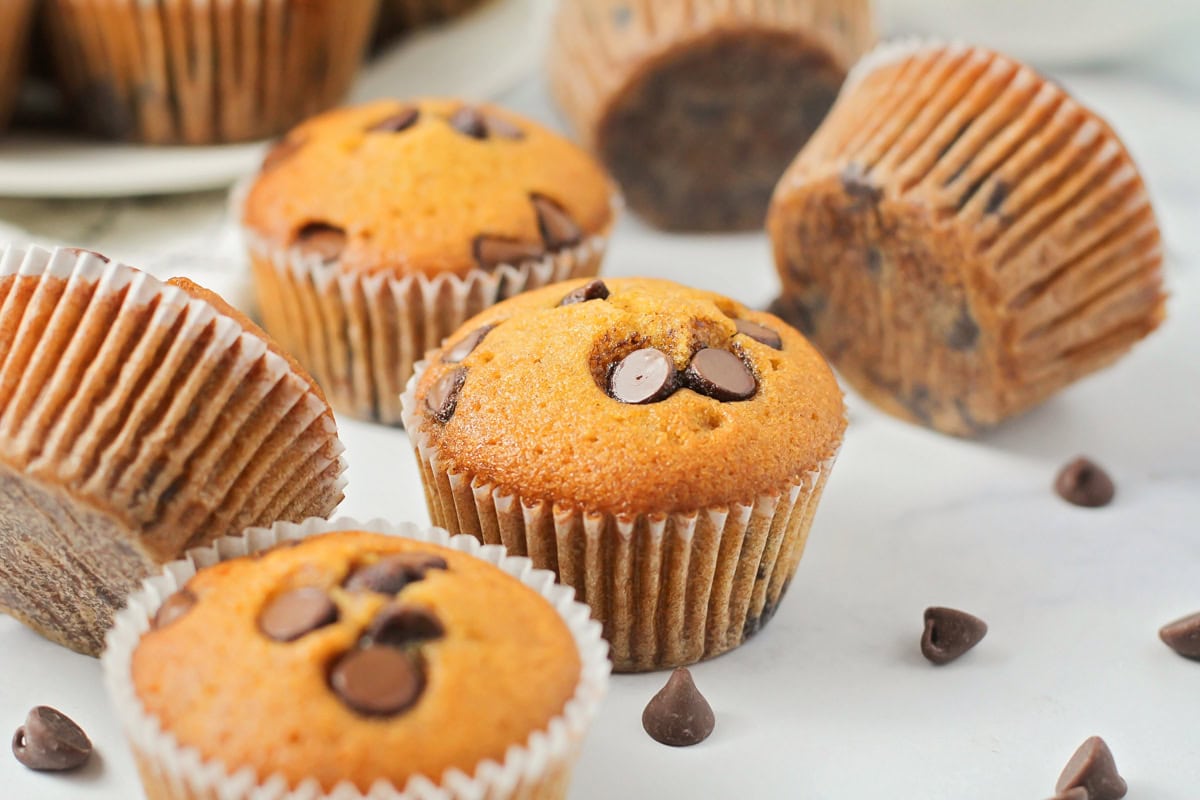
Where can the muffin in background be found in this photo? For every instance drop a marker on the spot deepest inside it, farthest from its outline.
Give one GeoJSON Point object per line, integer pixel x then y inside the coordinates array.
{"type": "Point", "coordinates": [199, 72]}
{"type": "Point", "coordinates": [398, 17]}
{"type": "Point", "coordinates": [963, 239]}
{"type": "Point", "coordinates": [137, 419]}
{"type": "Point", "coordinates": [662, 449]}
{"type": "Point", "coordinates": [16, 25]}
{"type": "Point", "coordinates": [375, 231]}
{"type": "Point", "coordinates": [697, 108]}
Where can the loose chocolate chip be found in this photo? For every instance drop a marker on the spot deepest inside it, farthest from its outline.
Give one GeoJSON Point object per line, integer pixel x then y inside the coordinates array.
{"type": "Point", "coordinates": [321, 240]}
{"type": "Point", "coordinates": [50, 740]}
{"type": "Point", "coordinates": [1093, 769]}
{"type": "Point", "coordinates": [502, 128]}
{"type": "Point", "coordinates": [397, 626]}
{"type": "Point", "coordinates": [173, 608]}
{"type": "Point", "coordinates": [492, 252]}
{"type": "Point", "coordinates": [643, 376]}
{"type": "Point", "coordinates": [1084, 483]}
{"type": "Point", "coordinates": [377, 680]}
{"type": "Point", "coordinates": [558, 229]}
{"type": "Point", "coordinates": [296, 613]}
{"type": "Point", "coordinates": [442, 399]}
{"type": "Point", "coordinates": [679, 715]}
{"type": "Point", "coordinates": [592, 290]}
{"type": "Point", "coordinates": [281, 152]}
{"type": "Point", "coordinates": [466, 345]}
{"type": "Point", "coordinates": [949, 633]}
{"type": "Point", "coordinates": [964, 333]}
{"type": "Point", "coordinates": [400, 121]}
{"type": "Point", "coordinates": [1183, 636]}
{"type": "Point", "coordinates": [721, 375]}
{"type": "Point", "coordinates": [391, 574]}
{"type": "Point", "coordinates": [859, 186]}
{"type": "Point", "coordinates": [469, 122]}
{"type": "Point", "coordinates": [759, 333]}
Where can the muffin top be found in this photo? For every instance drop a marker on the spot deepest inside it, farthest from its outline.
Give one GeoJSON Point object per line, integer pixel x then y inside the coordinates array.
{"type": "Point", "coordinates": [629, 396]}
{"type": "Point", "coordinates": [355, 656]}
{"type": "Point", "coordinates": [428, 186]}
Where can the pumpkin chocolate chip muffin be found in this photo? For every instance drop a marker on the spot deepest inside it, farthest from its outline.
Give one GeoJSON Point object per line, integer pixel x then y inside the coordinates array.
{"type": "Point", "coordinates": [661, 448]}
{"type": "Point", "coordinates": [376, 231]}
{"type": "Point", "coordinates": [352, 660]}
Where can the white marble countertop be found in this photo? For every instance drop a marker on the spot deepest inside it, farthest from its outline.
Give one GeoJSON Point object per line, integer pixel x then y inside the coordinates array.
{"type": "Point", "coordinates": [832, 700]}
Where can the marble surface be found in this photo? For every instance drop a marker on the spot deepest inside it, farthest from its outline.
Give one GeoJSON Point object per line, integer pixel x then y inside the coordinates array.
{"type": "Point", "coordinates": [832, 701]}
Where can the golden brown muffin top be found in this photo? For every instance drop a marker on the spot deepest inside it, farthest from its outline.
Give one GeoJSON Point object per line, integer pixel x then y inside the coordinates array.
{"type": "Point", "coordinates": [355, 656]}
{"type": "Point", "coordinates": [427, 186]}
{"type": "Point", "coordinates": [750, 406]}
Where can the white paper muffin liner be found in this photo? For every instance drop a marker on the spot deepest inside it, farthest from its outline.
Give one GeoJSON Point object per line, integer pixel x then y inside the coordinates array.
{"type": "Point", "coordinates": [536, 769]}
{"type": "Point", "coordinates": [670, 589]}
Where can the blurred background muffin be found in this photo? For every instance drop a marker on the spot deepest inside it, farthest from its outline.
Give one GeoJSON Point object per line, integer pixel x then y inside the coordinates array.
{"type": "Point", "coordinates": [397, 17]}
{"type": "Point", "coordinates": [16, 18]}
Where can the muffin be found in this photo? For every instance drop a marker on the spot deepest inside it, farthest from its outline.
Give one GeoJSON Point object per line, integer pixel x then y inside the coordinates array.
{"type": "Point", "coordinates": [697, 108]}
{"type": "Point", "coordinates": [661, 449]}
{"type": "Point", "coordinates": [344, 650]}
{"type": "Point", "coordinates": [374, 232]}
{"type": "Point", "coordinates": [963, 239]}
{"type": "Point", "coordinates": [16, 21]}
{"type": "Point", "coordinates": [137, 419]}
{"type": "Point", "coordinates": [198, 72]}
{"type": "Point", "coordinates": [397, 17]}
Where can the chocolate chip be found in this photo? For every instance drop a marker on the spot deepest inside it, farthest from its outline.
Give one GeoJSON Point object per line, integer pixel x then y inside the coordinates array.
{"type": "Point", "coordinates": [400, 121]}
{"type": "Point", "coordinates": [398, 626]}
{"type": "Point", "coordinates": [643, 376]}
{"type": "Point", "coordinates": [997, 198]}
{"type": "Point", "coordinates": [721, 375]}
{"type": "Point", "coordinates": [679, 715]}
{"type": "Point", "coordinates": [469, 122]}
{"type": "Point", "coordinates": [1084, 483]}
{"type": "Point", "coordinates": [442, 399]}
{"type": "Point", "coordinates": [1183, 636]}
{"type": "Point", "coordinates": [558, 229]}
{"type": "Point", "coordinates": [964, 333]}
{"type": "Point", "coordinates": [281, 152]}
{"type": "Point", "coordinates": [296, 613]}
{"type": "Point", "coordinates": [502, 128]}
{"type": "Point", "coordinates": [466, 345]}
{"type": "Point", "coordinates": [950, 633]}
{"type": "Point", "coordinates": [1093, 769]}
{"type": "Point", "coordinates": [592, 290]}
{"type": "Point", "coordinates": [759, 333]}
{"type": "Point", "coordinates": [321, 240]}
{"type": "Point", "coordinates": [858, 186]}
{"type": "Point", "coordinates": [173, 608]}
{"type": "Point", "coordinates": [391, 574]}
{"type": "Point", "coordinates": [874, 260]}
{"type": "Point", "coordinates": [492, 252]}
{"type": "Point", "coordinates": [377, 680]}
{"type": "Point", "coordinates": [50, 740]}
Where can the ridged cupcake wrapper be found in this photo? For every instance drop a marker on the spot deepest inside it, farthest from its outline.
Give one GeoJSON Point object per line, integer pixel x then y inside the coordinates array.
{"type": "Point", "coordinates": [199, 71]}
{"type": "Point", "coordinates": [16, 17]}
{"type": "Point", "coordinates": [537, 769]}
{"type": "Point", "coordinates": [124, 397]}
{"type": "Point", "coordinates": [670, 589]}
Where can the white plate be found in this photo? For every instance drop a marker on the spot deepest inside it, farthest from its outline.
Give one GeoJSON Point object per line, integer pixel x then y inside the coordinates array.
{"type": "Point", "coordinates": [466, 57]}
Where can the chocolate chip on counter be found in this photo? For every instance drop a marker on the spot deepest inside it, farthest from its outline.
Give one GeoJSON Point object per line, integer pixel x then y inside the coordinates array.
{"type": "Point", "coordinates": [492, 252]}
{"type": "Point", "coordinates": [391, 574]}
{"type": "Point", "coordinates": [1093, 769]}
{"type": "Point", "coordinates": [679, 715]}
{"type": "Point", "coordinates": [400, 121]}
{"type": "Point", "coordinates": [759, 333]}
{"type": "Point", "coordinates": [51, 741]}
{"type": "Point", "coordinates": [1084, 483]}
{"type": "Point", "coordinates": [643, 376]}
{"type": "Point", "coordinates": [469, 122]}
{"type": "Point", "coordinates": [442, 399]}
{"type": "Point", "coordinates": [1183, 636]}
{"type": "Point", "coordinates": [721, 375]}
{"type": "Point", "coordinates": [950, 633]}
{"type": "Point", "coordinates": [592, 290]}
{"type": "Point", "coordinates": [502, 128]}
{"type": "Point", "coordinates": [377, 680]}
{"type": "Point", "coordinates": [281, 152]}
{"type": "Point", "coordinates": [557, 228]}
{"type": "Point", "coordinates": [296, 613]}
{"type": "Point", "coordinates": [466, 345]}
{"type": "Point", "coordinates": [173, 608]}
{"type": "Point", "coordinates": [321, 240]}
{"type": "Point", "coordinates": [397, 626]}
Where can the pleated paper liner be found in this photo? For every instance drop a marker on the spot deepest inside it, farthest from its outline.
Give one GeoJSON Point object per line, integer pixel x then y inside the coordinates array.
{"type": "Point", "coordinates": [963, 239]}
{"type": "Point", "coordinates": [16, 17]}
{"type": "Point", "coordinates": [136, 421]}
{"type": "Point", "coordinates": [361, 335]}
{"type": "Point", "coordinates": [204, 72]}
{"type": "Point", "coordinates": [670, 589]}
{"type": "Point", "coordinates": [538, 768]}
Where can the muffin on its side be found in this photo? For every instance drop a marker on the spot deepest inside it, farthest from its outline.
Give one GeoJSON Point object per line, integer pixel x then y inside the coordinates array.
{"type": "Point", "coordinates": [137, 419]}
{"type": "Point", "coordinates": [374, 232]}
{"type": "Point", "coordinates": [963, 239]}
{"type": "Point", "coordinates": [661, 448]}
{"type": "Point", "coordinates": [16, 23]}
{"type": "Point", "coordinates": [697, 108]}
